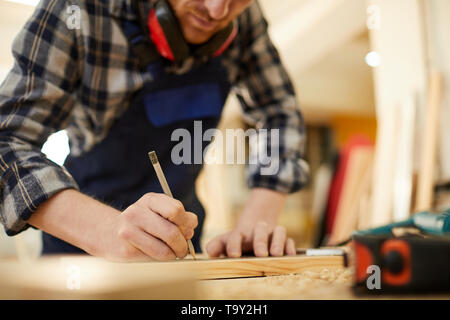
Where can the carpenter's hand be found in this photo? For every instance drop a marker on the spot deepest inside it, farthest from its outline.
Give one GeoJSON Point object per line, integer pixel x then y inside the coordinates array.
{"type": "Point", "coordinates": [259, 239]}
{"type": "Point", "coordinates": [154, 227]}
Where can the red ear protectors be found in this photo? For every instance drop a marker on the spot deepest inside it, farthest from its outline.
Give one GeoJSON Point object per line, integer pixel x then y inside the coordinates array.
{"type": "Point", "coordinates": [168, 38]}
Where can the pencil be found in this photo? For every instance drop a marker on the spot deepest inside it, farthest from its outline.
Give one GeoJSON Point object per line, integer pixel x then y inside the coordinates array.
{"type": "Point", "coordinates": [166, 189]}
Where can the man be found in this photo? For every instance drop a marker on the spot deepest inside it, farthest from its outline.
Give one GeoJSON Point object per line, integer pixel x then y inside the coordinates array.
{"type": "Point", "coordinates": [120, 96]}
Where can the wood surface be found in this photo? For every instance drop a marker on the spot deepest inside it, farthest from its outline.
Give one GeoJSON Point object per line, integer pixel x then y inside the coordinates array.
{"type": "Point", "coordinates": [404, 166]}
{"type": "Point", "coordinates": [256, 267]}
{"type": "Point", "coordinates": [359, 172]}
{"type": "Point", "coordinates": [437, 24]}
{"type": "Point", "coordinates": [403, 70]}
{"type": "Point", "coordinates": [363, 206]}
{"type": "Point", "coordinates": [428, 161]}
{"type": "Point", "coordinates": [322, 283]}
{"type": "Point", "coordinates": [53, 277]}
{"type": "Point", "coordinates": [84, 277]}
{"type": "Point", "coordinates": [384, 167]}
{"type": "Point", "coordinates": [314, 278]}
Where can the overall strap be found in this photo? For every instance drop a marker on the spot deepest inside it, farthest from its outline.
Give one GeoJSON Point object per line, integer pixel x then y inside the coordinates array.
{"type": "Point", "coordinates": [139, 39]}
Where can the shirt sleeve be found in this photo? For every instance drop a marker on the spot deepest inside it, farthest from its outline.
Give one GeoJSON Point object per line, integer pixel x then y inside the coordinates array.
{"type": "Point", "coordinates": [268, 101]}
{"type": "Point", "coordinates": [35, 101]}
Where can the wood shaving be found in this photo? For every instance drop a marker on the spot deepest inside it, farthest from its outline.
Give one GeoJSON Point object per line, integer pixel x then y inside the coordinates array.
{"type": "Point", "coordinates": [313, 284]}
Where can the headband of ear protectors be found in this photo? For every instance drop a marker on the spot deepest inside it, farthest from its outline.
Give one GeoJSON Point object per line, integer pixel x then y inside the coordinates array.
{"type": "Point", "coordinates": [166, 34]}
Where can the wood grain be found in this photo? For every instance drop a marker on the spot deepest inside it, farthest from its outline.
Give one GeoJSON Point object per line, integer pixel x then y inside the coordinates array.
{"type": "Point", "coordinates": [53, 277]}
{"type": "Point", "coordinates": [83, 277]}
{"type": "Point", "coordinates": [257, 267]}
{"type": "Point", "coordinates": [318, 284]}
{"type": "Point", "coordinates": [428, 161]}
{"type": "Point", "coordinates": [356, 181]}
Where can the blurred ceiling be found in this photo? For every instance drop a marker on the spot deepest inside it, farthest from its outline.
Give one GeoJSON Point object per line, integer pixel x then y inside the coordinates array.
{"type": "Point", "coordinates": [322, 43]}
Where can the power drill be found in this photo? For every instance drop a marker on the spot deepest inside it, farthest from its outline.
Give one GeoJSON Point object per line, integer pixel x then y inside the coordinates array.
{"type": "Point", "coordinates": [415, 262]}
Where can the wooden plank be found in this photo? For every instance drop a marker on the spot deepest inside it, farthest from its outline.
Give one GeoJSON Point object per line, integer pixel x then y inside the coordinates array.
{"type": "Point", "coordinates": [318, 284]}
{"type": "Point", "coordinates": [428, 161]}
{"type": "Point", "coordinates": [438, 24]}
{"type": "Point", "coordinates": [384, 169]}
{"type": "Point", "coordinates": [355, 181]}
{"type": "Point", "coordinates": [403, 70]}
{"type": "Point", "coordinates": [203, 268]}
{"type": "Point", "coordinates": [364, 205]}
{"type": "Point", "coordinates": [403, 180]}
{"type": "Point", "coordinates": [84, 277]}
{"type": "Point", "coordinates": [258, 267]}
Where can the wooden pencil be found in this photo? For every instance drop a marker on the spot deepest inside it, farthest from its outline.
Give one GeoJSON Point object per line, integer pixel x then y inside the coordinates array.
{"type": "Point", "coordinates": [166, 189]}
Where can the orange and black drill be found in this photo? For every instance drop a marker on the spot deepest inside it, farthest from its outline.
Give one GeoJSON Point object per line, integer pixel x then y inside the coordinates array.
{"type": "Point", "coordinates": [416, 260]}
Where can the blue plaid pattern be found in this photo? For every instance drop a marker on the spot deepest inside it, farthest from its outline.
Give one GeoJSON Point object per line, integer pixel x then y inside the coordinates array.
{"type": "Point", "coordinates": [83, 79]}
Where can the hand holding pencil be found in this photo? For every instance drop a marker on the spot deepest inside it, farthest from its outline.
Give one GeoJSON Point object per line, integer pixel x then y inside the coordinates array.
{"type": "Point", "coordinates": [155, 227]}
{"type": "Point", "coordinates": [166, 189]}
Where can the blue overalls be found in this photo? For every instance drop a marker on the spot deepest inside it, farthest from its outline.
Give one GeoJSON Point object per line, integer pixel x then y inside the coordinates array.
{"type": "Point", "coordinates": [118, 171]}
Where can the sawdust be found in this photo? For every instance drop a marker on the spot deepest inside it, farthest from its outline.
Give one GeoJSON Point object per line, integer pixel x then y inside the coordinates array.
{"type": "Point", "coordinates": [315, 284]}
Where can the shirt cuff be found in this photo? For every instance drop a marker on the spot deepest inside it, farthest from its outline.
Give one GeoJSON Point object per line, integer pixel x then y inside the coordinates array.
{"type": "Point", "coordinates": [282, 175]}
{"type": "Point", "coordinates": [25, 189]}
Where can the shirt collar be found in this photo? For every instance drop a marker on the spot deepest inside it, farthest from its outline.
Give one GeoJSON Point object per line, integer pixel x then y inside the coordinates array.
{"type": "Point", "coordinates": [123, 9]}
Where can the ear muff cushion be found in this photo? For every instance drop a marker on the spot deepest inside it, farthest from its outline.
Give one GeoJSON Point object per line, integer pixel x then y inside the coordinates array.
{"type": "Point", "coordinates": [171, 29]}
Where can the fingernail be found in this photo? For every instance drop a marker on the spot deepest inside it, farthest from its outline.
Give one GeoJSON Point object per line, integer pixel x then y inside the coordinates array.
{"type": "Point", "coordinates": [263, 252]}
{"type": "Point", "coordinates": [234, 254]}
{"type": "Point", "coordinates": [276, 252]}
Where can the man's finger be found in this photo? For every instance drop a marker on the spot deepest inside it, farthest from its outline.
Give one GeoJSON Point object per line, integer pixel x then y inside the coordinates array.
{"type": "Point", "coordinates": [160, 228]}
{"type": "Point", "coordinates": [169, 208]}
{"type": "Point", "coordinates": [260, 240]}
{"type": "Point", "coordinates": [216, 246]}
{"type": "Point", "coordinates": [190, 225]}
{"type": "Point", "coordinates": [234, 245]}
{"type": "Point", "coordinates": [149, 245]}
{"type": "Point", "coordinates": [278, 241]}
{"type": "Point", "coordinates": [172, 210]}
{"type": "Point", "coordinates": [290, 247]}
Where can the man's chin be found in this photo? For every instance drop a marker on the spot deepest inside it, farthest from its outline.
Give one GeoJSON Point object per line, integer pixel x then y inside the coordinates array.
{"type": "Point", "coordinates": [196, 37]}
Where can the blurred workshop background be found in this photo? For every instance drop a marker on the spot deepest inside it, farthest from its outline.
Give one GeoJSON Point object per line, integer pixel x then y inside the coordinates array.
{"type": "Point", "coordinates": [373, 82]}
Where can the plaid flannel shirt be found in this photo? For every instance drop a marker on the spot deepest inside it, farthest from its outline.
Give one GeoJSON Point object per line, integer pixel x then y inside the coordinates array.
{"type": "Point", "coordinates": [82, 79]}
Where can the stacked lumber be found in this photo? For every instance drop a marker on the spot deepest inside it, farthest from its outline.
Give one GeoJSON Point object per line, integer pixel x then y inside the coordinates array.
{"type": "Point", "coordinates": [349, 189]}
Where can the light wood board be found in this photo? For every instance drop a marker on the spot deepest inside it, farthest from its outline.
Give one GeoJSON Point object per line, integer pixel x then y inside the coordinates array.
{"type": "Point", "coordinates": [428, 161]}
{"type": "Point", "coordinates": [79, 277]}
{"type": "Point", "coordinates": [257, 267]}
{"type": "Point", "coordinates": [56, 277]}
{"type": "Point", "coordinates": [356, 182]}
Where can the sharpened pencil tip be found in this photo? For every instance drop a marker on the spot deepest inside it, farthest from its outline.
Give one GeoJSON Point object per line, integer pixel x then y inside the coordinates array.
{"type": "Point", "coordinates": [153, 157]}
{"type": "Point", "coordinates": [191, 249]}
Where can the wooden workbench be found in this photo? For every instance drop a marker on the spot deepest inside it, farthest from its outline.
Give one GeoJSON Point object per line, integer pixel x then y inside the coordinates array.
{"type": "Point", "coordinates": [325, 283]}
{"type": "Point", "coordinates": [84, 277]}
